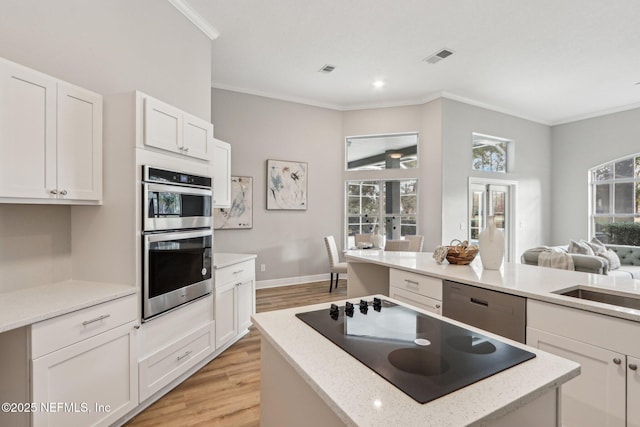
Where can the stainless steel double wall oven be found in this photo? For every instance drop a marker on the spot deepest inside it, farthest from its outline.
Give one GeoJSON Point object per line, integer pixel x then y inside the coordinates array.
{"type": "Point", "coordinates": [177, 239]}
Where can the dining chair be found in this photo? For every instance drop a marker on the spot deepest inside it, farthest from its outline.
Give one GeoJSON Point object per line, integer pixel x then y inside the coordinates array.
{"type": "Point", "coordinates": [397, 245]}
{"type": "Point", "coordinates": [416, 242]}
{"type": "Point", "coordinates": [335, 266]}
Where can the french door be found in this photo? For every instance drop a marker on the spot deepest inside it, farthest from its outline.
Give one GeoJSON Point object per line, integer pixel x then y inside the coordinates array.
{"type": "Point", "coordinates": [491, 199]}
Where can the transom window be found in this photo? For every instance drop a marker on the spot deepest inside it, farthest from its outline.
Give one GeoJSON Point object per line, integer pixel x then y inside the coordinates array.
{"type": "Point", "coordinates": [615, 196]}
{"type": "Point", "coordinates": [490, 153]}
{"type": "Point", "coordinates": [388, 205]}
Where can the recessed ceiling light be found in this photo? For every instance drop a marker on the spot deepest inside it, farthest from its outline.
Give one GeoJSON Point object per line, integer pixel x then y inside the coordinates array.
{"type": "Point", "coordinates": [378, 84]}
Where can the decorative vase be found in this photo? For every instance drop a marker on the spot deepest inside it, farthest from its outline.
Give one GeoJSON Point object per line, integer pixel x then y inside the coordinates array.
{"type": "Point", "coordinates": [491, 242]}
{"type": "Point", "coordinates": [377, 240]}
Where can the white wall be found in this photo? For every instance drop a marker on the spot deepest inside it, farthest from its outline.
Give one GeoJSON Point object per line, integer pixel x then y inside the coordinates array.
{"type": "Point", "coordinates": [576, 148]}
{"type": "Point", "coordinates": [289, 243]}
{"type": "Point", "coordinates": [531, 170]}
{"type": "Point", "coordinates": [424, 119]}
{"type": "Point", "coordinates": [109, 47]}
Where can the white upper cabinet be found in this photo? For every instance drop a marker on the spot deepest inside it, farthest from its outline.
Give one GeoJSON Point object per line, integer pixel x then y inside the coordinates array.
{"type": "Point", "coordinates": [172, 129]}
{"type": "Point", "coordinates": [221, 174]}
{"type": "Point", "coordinates": [50, 139]}
{"type": "Point", "coordinates": [27, 132]}
{"type": "Point", "coordinates": [79, 143]}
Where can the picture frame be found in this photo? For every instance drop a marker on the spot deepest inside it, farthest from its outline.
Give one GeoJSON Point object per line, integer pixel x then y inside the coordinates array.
{"type": "Point", "coordinates": [240, 214]}
{"type": "Point", "coordinates": [287, 185]}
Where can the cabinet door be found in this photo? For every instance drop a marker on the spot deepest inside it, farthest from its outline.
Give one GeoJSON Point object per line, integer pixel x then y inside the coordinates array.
{"type": "Point", "coordinates": [633, 392]}
{"type": "Point", "coordinates": [95, 381]}
{"type": "Point", "coordinates": [225, 314]}
{"type": "Point", "coordinates": [597, 396]}
{"type": "Point", "coordinates": [162, 125]}
{"type": "Point", "coordinates": [221, 174]}
{"type": "Point", "coordinates": [79, 143]}
{"type": "Point", "coordinates": [246, 303]}
{"type": "Point", "coordinates": [27, 133]}
{"type": "Point", "coordinates": [197, 137]}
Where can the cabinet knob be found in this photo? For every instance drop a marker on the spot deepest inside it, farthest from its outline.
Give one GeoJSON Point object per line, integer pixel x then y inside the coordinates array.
{"type": "Point", "coordinates": [53, 191]}
{"type": "Point", "coordinates": [63, 192]}
{"type": "Point", "coordinates": [617, 361]}
{"type": "Point", "coordinates": [633, 366]}
{"type": "Point", "coordinates": [186, 149]}
{"type": "Point", "coordinates": [437, 305]}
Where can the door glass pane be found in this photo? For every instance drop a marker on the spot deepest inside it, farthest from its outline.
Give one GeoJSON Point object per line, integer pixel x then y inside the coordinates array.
{"type": "Point", "coordinates": [498, 208]}
{"type": "Point", "coordinates": [476, 223]}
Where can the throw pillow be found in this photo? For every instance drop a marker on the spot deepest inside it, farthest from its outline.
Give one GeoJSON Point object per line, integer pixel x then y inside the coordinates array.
{"type": "Point", "coordinates": [595, 242]}
{"type": "Point", "coordinates": [597, 249]}
{"type": "Point", "coordinates": [580, 248]}
{"type": "Point", "coordinates": [612, 257]}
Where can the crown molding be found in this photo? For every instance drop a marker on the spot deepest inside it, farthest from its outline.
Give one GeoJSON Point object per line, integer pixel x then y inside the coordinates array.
{"type": "Point", "coordinates": [195, 18]}
{"type": "Point", "coordinates": [597, 114]}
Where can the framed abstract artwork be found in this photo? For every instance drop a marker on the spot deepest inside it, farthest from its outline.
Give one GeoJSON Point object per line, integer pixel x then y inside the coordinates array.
{"type": "Point", "coordinates": [286, 185]}
{"type": "Point", "coordinates": [240, 214]}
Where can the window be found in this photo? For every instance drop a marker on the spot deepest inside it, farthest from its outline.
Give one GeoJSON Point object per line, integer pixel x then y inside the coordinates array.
{"type": "Point", "coordinates": [615, 199]}
{"type": "Point", "coordinates": [378, 152]}
{"type": "Point", "coordinates": [392, 203]}
{"type": "Point", "coordinates": [490, 153]}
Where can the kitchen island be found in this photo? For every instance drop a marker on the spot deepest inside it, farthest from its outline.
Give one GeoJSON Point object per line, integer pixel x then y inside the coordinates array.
{"type": "Point", "coordinates": [308, 380]}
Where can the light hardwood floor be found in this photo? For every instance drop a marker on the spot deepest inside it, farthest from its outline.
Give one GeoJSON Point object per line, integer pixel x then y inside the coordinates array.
{"type": "Point", "coordinates": [226, 392]}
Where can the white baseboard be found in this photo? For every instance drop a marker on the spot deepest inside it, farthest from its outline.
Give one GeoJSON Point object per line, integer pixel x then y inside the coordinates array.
{"type": "Point", "coordinates": [274, 283]}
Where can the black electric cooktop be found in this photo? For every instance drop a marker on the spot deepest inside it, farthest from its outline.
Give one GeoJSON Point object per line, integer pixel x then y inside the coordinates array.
{"type": "Point", "coordinates": [421, 355]}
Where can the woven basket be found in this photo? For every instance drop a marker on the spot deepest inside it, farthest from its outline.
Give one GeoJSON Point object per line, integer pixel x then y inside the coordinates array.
{"type": "Point", "coordinates": [461, 253]}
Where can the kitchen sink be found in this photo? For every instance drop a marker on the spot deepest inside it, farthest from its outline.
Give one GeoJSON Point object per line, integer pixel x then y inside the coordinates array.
{"type": "Point", "coordinates": [604, 297]}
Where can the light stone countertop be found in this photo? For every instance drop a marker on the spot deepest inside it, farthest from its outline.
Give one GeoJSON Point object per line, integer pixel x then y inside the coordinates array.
{"type": "Point", "coordinates": [31, 305]}
{"type": "Point", "coordinates": [223, 259]}
{"type": "Point", "coordinates": [360, 397]}
{"type": "Point", "coordinates": [528, 281]}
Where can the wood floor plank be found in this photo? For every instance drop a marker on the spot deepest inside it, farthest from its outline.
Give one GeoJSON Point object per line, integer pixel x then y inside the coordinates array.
{"type": "Point", "coordinates": [226, 392]}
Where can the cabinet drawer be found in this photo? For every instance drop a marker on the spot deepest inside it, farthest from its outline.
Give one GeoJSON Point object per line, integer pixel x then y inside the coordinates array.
{"type": "Point", "coordinates": [159, 369]}
{"type": "Point", "coordinates": [417, 300]}
{"type": "Point", "coordinates": [235, 273]}
{"type": "Point", "coordinates": [59, 332]}
{"type": "Point", "coordinates": [417, 283]}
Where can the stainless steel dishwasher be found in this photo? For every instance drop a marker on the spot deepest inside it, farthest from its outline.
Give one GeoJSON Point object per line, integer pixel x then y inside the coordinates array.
{"type": "Point", "coordinates": [496, 312]}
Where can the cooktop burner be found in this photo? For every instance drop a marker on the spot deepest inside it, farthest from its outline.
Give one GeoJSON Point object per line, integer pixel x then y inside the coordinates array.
{"type": "Point", "coordinates": [423, 356]}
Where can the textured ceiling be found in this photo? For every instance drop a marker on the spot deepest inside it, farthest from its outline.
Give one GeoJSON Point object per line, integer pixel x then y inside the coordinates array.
{"type": "Point", "coordinates": [550, 61]}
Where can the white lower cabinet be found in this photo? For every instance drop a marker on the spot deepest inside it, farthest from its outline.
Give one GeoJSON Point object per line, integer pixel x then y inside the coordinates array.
{"type": "Point", "coordinates": [89, 381]}
{"type": "Point", "coordinates": [420, 291]}
{"type": "Point", "coordinates": [607, 391]}
{"type": "Point", "coordinates": [597, 396]}
{"type": "Point", "coordinates": [234, 300]}
{"type": "Point", "coordinates": [164, 366]}
{"type": "Point", "coordinates": [172, 344]}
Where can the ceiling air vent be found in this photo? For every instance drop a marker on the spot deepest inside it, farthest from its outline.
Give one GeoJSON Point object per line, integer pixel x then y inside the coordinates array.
{"type": "Point", "coordinates": [439, 56]}
{"type": "Point", "coordinates": [327, 69]}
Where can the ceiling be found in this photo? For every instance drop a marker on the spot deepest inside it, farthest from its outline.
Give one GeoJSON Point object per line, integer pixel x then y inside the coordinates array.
{"type": "Point", "coordinates": [551, 61]}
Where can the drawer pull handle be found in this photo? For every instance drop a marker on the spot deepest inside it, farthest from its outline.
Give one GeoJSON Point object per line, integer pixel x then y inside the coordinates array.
{"type": "Point", "coordinates": [633, 366]}
{"type": "Point", "coordinates": [617, 361]}
{"type": "Point", "coordinates": [184, 355]}
{"type": "Point", "coordinates": [238, 271]}
{"type": "Point", "coordinates": [412, 282]}
{"type": "Point", "coordinates": [479, 302]}
{"type": "Point", "coordinates": [97, 319]}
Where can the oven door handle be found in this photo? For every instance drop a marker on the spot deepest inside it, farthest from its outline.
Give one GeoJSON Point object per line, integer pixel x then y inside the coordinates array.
{"type": "Point", "coordinates": [177, 235]}
{"type": "Point", "coordinates": [181, 189]}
